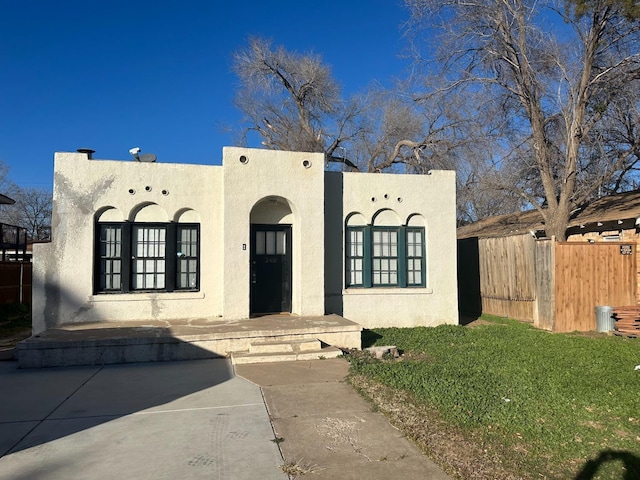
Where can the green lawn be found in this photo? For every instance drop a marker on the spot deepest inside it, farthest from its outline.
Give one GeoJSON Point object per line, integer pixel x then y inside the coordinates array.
{"type": "Point", "coordinates": [544, 405]}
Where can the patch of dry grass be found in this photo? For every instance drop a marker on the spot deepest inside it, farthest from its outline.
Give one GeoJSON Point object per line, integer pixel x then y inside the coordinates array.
{"type": "Point", "coordinates": [298, 468]}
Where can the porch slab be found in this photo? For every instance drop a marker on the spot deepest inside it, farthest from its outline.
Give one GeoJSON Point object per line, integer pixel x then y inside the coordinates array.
{"type": "Point", "coordinates": [180, 339]}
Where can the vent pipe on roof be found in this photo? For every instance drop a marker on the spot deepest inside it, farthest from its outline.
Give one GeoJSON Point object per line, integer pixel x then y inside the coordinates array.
{"type": "Point", "coordinates": [87, 151]}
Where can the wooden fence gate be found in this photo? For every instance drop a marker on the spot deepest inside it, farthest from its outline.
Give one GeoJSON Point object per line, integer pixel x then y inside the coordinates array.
{"type": "Point", "coordinates": [588, 275]}
{"type": "Point", "coordinates": [507, 276]}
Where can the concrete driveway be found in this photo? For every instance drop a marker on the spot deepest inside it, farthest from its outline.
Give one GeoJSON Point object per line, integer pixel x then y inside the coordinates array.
{"type": "Point", "coordinates": [186, 420]}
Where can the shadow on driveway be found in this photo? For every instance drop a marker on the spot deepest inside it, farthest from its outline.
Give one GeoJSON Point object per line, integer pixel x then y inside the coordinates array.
{"type": "Point", "coordinates": [186, 419]}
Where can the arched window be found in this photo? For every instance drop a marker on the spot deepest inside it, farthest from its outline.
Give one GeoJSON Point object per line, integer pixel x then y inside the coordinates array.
{"type": "Point", "coordinates": [148, 254]}
{"type": "Point", "coordinates": [385, 253]}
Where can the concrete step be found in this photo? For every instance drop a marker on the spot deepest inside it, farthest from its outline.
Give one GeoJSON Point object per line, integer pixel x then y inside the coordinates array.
{"type": "Point", "coordinates": [243, 358]}
{"type": "Point", "coordinates": [110, 351]}
{"type": "Point", "coordinates": [285, 346]}
{"type": "Point", "coordinates": [151, 341]}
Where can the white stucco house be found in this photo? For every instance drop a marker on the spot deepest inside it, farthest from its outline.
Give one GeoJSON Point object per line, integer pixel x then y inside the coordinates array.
{"type": "Point", "coordinates": [266, 231]}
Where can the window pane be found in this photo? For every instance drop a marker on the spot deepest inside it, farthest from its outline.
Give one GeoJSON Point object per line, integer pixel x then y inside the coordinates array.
{"type": "Point", "coordinates": [188, 242]}
{"type": "Point", "coordinates": [356, 243]}
{"type": "Point", "coordinates": [187, 265]}
{"type": "Point", "coordinates": [260, 241]}
{"type": "Point", "coordinates": [109, 261]}
{"type": "Point", "coordinates": [280, 239]}
{"type": "Point", "coordinates": [150, 250]}
{"type": "Point", "coordinates": [377, 244]}
{"type": "Point", "coordinates": [271, 243]}
{"type": "Point", "coordinates": [385, 257]}
{"type": "Point", "coordinates": [415, 263]}
{"type": "Point", "coordinates": [355, 257]}
{"type": "Point", "coordinates": [357, 264]}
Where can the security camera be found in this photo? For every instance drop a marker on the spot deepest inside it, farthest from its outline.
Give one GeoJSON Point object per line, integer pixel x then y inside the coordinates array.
{"type": "Point", "coordinates": [134, 151]}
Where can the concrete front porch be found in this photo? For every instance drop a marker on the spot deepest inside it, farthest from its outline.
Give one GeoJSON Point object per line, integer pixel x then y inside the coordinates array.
{"type": "Point", "coordinates": [267, 338]}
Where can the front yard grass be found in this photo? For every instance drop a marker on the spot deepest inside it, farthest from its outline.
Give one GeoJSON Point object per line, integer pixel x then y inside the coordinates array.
{"type": "Point", "coordinates": [506, 400]}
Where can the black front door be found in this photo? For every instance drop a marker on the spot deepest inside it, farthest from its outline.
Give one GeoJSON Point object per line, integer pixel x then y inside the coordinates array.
{"type": "Point", "coordinates": [270, 269]}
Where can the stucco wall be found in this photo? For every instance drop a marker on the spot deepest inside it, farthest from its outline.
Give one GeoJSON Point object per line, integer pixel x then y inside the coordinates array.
{"type": "Point", "coordinates": [425, 199]}
{"type": "Point", "coordinates": [256, 185]}
{"type": "Point", "coordinates": [63, 288]}
{"type": "Point", "coordinates": [293, 178]}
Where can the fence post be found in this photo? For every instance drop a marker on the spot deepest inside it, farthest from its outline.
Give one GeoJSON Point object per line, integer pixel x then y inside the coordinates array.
{"type": "Point", "coordinates": [21, 281]}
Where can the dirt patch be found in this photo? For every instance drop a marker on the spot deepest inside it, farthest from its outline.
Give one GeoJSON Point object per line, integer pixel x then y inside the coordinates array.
{"type": "Point", "coordinates": [479, 322]}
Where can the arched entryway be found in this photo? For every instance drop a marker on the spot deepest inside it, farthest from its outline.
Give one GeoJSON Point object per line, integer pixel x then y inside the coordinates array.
{"type": "Point", "coordinates": [271, 256]}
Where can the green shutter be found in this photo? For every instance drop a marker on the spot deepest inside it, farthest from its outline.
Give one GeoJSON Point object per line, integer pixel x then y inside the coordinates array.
{"type": "Point", "coordinates": [170, 257]}
{"type": "Point", "coordinates": [402, 257]}
{"type": "Point", "coordinates": [366, 281]}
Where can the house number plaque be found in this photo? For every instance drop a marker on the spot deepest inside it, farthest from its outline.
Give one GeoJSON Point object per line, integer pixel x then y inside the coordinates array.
{"type": "Point", "coordinates": [626, 249]}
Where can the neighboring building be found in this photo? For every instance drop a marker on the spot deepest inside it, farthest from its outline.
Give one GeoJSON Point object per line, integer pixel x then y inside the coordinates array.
{"type": "Point", "coordinates": [4, 200]}
{"type": "Point", "coordinates": [266, 232]}
{"type": "Point", "coordinates": [614, 217]}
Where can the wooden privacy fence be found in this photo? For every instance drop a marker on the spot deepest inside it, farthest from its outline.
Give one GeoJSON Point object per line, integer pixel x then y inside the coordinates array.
{"type": "Point", "coordinates": [15, 282]}
{"type": "Point", "coordinates": [600, 273]}
{"type": "Point", "coordinates": [554, 285]}
{"type": "Point", "coordinates": [507, 279]}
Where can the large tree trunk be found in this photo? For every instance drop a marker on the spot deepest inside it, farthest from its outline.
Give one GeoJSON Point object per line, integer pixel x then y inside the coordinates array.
{"type": "Point", "coordinates": [556, 221]}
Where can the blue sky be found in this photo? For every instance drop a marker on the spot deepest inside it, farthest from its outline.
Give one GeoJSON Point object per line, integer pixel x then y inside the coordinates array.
{"type": "Point", "coordinates": [111, 75]}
